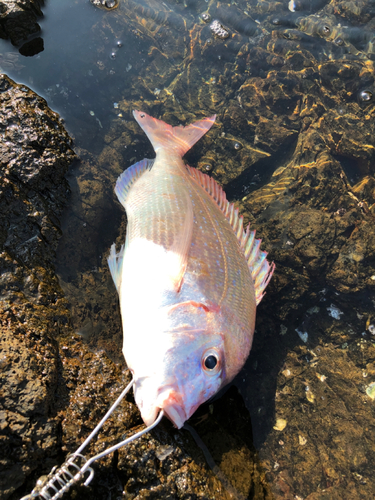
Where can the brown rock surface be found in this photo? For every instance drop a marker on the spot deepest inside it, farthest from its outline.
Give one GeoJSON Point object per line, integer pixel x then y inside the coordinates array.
{"type": "Point", "coordinates": [35, 153]}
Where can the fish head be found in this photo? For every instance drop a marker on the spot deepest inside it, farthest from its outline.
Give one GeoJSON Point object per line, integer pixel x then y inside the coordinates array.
{"type": "Point", "coordinates": [188, 366]}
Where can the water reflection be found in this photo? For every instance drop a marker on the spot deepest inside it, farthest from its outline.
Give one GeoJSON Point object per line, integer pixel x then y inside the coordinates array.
{"type": "Point", "coordinates": [293, 86]}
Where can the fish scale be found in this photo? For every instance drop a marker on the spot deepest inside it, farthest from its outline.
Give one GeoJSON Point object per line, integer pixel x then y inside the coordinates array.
{"type": "Point", "coordinates": [189, 278]}
{"type": "Point", "coordinates": [224, 275]}
{"type": "Point", "coordinates": [154, 210]}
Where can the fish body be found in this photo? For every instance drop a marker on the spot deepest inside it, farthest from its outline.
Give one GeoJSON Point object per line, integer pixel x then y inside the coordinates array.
{"type": "Point", "coordinates": [188, 277]}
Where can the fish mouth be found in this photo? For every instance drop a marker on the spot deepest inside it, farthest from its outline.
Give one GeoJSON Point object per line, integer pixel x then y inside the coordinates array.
{"type": "Point", "coordinates": [176, 414]}
{"type": "Point", "coordinates": [174, 408]}
{"type": "Point", "coordinates": [167, 399]}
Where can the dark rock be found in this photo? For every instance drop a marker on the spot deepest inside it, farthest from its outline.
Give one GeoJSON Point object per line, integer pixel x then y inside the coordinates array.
{"type": "Point", "coordinates": [35, 153]}
{"type": "Point", "coordinates": [32, 47]}
{"type": "Point", "coordinates": [18, 20]}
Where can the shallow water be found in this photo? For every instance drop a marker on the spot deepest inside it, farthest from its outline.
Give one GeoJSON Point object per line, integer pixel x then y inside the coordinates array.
{"type": "Point", "coordinates": [293, 87]}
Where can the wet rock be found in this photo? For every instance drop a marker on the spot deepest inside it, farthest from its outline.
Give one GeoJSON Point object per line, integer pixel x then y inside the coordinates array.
{"type": "Point", "coordinates": [32, 48]}
{"type": "Point", "coordinates": [35, 153]}
{"type": "Point", "coordinates": [320, 393]}
{"type": "Point", "coordinates": [18, 20]}
{"type": "Point", "coordinates": [323, 291]}
{"type": "Point", "coordinates": [83, 271]}
{"type": "Point", "coordinates": [365, 190]}
{"type": "Point", "coordinates": [106, 4]}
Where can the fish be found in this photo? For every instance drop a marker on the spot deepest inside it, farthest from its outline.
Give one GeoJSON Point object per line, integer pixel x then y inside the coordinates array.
{"type": "Point", "coordinates": [189, 277]}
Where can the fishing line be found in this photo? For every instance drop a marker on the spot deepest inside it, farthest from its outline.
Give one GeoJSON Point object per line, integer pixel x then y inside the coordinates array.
{"type": "Point", "coordinates": [59, 480]}
{"type": "Point", "coordinates": [233, 492]}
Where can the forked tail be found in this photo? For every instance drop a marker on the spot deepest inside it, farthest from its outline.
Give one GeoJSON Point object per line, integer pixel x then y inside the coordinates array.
{"type": "Point", "coordinates": [164, 136]}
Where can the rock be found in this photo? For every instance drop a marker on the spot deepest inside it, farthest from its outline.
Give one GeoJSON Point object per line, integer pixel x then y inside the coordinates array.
{"type": "Point", "coordinates": [32, 47]}
{"type": "Point", "coordinates": [18, 20]}
{"type": "Point", "coordinates": [35, 153]}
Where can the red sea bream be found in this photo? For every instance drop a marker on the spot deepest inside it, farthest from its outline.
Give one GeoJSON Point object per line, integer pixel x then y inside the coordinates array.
{"type": "Point", "coordinates": [189, 277]}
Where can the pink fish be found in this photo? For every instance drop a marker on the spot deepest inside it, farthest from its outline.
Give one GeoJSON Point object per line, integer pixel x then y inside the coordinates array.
{"type": "Point", "coordinates": [189, 277]}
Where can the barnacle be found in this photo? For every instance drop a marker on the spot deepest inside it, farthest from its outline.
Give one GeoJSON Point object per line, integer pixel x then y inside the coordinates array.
{"type": "Point", "coordinates": [218, 29]}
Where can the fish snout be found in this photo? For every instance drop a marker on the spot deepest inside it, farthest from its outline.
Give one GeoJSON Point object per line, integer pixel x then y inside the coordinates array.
{"type": "Point", "coordinates": [174, 408]}
{"type": "Point", "coordinates": [152, 397]}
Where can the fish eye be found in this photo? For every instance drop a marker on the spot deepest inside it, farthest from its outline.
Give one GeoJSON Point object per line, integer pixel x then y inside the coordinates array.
{"type": "Point", "coordinates": [210, 362]}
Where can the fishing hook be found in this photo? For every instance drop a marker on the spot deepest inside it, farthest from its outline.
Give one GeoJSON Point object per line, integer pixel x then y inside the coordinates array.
{"type": "Point", "coordinates": [59, 480]}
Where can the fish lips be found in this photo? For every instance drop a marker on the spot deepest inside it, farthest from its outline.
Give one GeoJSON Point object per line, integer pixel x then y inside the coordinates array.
{"type": "Point", "coordinates": [172, 405]}
{"type": "Point", "coordinates": [176, 411]}
{"type": "Point", "coordinates": [171, 402]}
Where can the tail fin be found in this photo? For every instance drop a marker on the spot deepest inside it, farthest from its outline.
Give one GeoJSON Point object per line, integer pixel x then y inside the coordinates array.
{"type": "Point", "coordinates": [180, 138]}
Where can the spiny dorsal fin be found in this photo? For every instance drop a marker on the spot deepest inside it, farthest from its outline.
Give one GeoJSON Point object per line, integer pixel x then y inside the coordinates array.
{"type": "Point", "coordinates": [261, 270]}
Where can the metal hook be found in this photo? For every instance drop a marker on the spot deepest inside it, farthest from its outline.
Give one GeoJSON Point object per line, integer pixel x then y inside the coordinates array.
{"type": "Point", "coordinates": [59, 480]}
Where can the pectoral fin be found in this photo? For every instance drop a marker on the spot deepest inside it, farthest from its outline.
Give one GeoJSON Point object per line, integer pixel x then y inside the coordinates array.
{"type": "Point", "coordinates": [115, 265]}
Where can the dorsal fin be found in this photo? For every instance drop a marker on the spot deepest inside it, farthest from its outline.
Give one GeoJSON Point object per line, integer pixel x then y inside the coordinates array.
{"type": "Point", "coordinates": [261, 270]}
{"type": "Point", "coordinates": [129, 177]}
